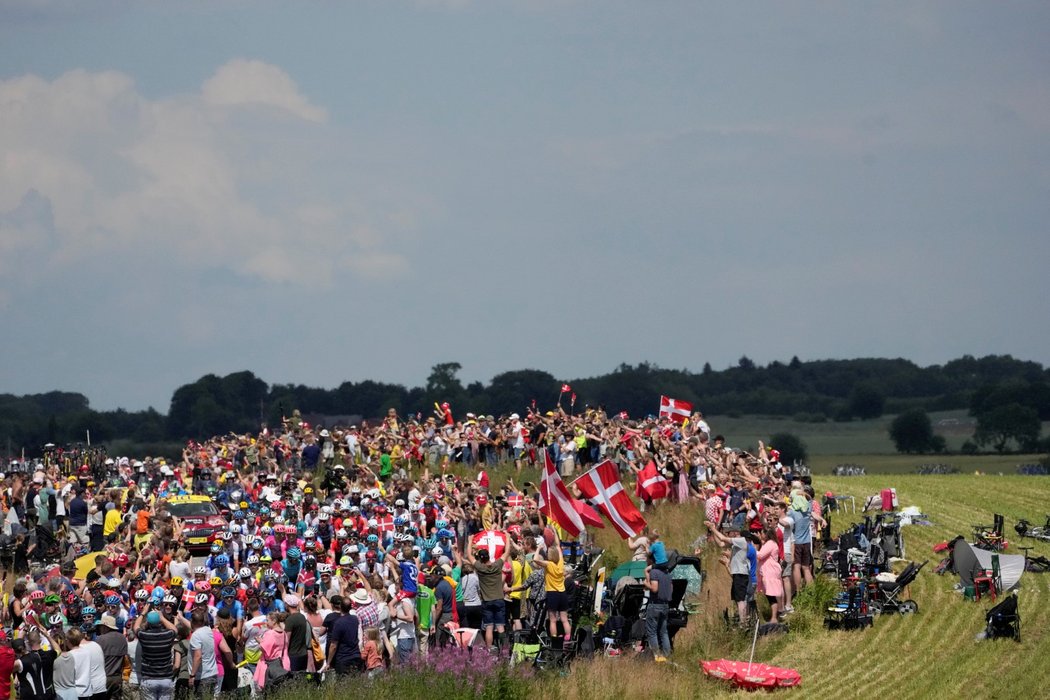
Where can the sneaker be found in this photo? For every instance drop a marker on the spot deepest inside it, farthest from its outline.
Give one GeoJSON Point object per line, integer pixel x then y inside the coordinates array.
{"type": "Point", "coordinates": [788, 609]}
{"type": "Point", "coordinates": [660, 659]}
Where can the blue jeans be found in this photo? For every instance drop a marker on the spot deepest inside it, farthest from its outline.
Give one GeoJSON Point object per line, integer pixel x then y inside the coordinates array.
{"type": "Point", "coordinates": [405, 649]}
{"type": "Point", "coordinates": [656, 628]}
{"type": "Point", "coordinates": [156, 688]}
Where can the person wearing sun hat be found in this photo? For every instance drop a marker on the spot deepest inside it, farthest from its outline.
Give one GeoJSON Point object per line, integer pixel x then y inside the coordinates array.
{"type": "Point", "coordinates": [114, 650]}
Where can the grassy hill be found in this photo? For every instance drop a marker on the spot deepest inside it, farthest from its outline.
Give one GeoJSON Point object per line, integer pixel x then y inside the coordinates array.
{"type": "Point", "coordinates": [931, 654]}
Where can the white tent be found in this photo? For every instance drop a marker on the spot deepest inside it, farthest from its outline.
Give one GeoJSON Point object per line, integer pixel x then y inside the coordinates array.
{"type": "Point", "coordinates": [971, 561]}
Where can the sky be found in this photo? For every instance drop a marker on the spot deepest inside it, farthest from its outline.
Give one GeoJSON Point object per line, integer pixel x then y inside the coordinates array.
{"type": "Point", "coordinates": [336, 191]}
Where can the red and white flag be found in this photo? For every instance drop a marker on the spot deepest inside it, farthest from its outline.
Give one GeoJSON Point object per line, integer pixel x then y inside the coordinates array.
{"type": "Point", "coordinates": [572, 400]}
{"type": "Point", "coordinates": [587, 514]}
{"type": "Point", "coordinates": [555, 501]}
{"type": "Point", "coordinates": [601, 485]}
{"type": "Point", "coordinates": [623, 415]}
{"type": "Point", "coordinates": [492, 540]}
{"type": "Point", "coordinates": [515, 501]}
{"type": "Point", "coordinates": [565, 388]}
{"type": "Point", "coordinates": [651, 485]}
{"type": "Point", "coordinates": [675, 409]}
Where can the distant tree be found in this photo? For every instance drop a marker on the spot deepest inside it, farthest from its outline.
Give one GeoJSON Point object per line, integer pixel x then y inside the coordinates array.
{"type": "Point", "coordinates": [912, 432]}
{"type": "Point", "coordinates": [866, 401]}
{"type": "Point", "coordinates": [707, 369]}
{"type": "Point", "coordinates": [1001, 424]}
{"type": "Point", "coordinates": [745, 363]}
{"type": "Point", "coordinates": [795, 362]}
{"type": "Point", "coordinates": [790, 446]}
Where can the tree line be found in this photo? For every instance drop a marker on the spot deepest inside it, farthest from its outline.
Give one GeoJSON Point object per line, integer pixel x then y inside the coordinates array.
{"type": "Point", "coordinates": [999, 390]}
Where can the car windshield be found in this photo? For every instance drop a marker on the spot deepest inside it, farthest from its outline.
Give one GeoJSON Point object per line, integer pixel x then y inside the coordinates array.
{"type": "Point", "coordinates": [181, 510]}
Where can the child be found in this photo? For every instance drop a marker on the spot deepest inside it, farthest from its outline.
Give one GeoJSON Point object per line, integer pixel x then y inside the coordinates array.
{"type": "Point", "coordinates": [372, 657]}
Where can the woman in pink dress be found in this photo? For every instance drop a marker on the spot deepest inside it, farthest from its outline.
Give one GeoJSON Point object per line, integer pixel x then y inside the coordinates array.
{"type": "Point", "coordinates": [769, 570]}
{"type": "Point", "coordinates": [273, 645]}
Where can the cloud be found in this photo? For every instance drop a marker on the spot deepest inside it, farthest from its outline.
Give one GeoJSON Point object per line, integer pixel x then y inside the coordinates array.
{"type": "Point", "coordinates": [252, 83]}
{"type": "Point", "coordinates": [223, 179]}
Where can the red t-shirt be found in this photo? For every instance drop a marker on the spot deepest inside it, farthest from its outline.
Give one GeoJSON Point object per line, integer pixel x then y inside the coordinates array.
{"type": "Point", "coordinates": [7, 667]}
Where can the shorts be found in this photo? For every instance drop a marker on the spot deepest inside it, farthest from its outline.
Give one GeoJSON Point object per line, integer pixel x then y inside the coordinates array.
{"type": "Point", "coordinates": [493, 613]}
{"type": "Point", "coordinates": [740, 586]}
{"type": "Point", "coordinates": [557, 601]}
{"type": "Point", "coordinates": [514, 608]}
{"type": "Point", "coordinates": [804, 554]}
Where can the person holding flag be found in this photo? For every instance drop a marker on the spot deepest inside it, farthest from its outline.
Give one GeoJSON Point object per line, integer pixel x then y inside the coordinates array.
{"type": "Point", "coordinates": [553, 565]}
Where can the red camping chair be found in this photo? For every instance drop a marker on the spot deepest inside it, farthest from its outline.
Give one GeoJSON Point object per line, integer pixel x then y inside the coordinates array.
{"type": "Point", "coordinates": [990, 578]}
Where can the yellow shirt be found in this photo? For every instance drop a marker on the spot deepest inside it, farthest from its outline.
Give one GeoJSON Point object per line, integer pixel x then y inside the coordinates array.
{"type": "Point", "coordinates": [111, 523]}
{"type": "Point", "coordinates": [554, 579]}
{"type": "Point", "coordinates": [517, 577]}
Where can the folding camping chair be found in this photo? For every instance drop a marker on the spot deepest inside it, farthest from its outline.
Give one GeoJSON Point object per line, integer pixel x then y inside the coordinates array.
{"type": "Point", "coordinates": [989, 578]}
{"type": "Point", "coordinates": [990, 537]}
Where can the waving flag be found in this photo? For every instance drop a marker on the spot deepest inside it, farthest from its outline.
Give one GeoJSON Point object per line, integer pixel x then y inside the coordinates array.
{"type": "Point", "coordinates": [565, 388]}
{"type": "Point", "coordinates": [651, 485]}
{"type": "Point", "coordinates": [601, 485]}
{"type": "Point", "coordinates": [675, 409]}
{"type": "Point", "coordinates": [587, 514]}
{"type": "Point", "coordinates": [555, 501]}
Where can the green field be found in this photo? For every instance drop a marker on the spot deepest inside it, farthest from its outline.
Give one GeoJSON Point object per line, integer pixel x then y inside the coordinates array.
{"type": "Point", "coordinates": [931, 654]}
{"type": "Point", "coordinates": [867, 442]}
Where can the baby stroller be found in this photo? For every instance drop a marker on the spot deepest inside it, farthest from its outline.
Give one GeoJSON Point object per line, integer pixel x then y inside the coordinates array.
{"type": "Point", "coordinates": [48, 548]}
{"type": "Point", "coordinates": [885, 596]}
{"type": "Point", "coordinates": [1003, 620]}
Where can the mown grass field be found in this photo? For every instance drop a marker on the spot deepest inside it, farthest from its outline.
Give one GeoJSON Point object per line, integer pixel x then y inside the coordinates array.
{"type": "Point", "coordinates": [932, 654]}
{"type": "Point", "coordinates": [870, 437]}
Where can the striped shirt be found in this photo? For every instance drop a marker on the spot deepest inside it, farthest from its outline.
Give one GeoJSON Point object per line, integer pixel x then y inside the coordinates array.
{"type": "Point", "coordinates": [154, 653]}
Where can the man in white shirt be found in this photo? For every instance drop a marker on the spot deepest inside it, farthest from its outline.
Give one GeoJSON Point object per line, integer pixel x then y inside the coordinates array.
{"type": "Point", "coordinates": [89, 663]}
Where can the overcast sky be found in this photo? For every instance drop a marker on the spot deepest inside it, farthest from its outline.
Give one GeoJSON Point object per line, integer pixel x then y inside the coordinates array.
{"type": "Point", "coordinates": [332, 191]}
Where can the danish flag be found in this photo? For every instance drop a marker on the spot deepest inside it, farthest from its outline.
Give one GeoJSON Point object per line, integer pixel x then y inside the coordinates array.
{"type": "Point", "coordinates": [492, 540]}
{"type": "Point", "coordinates": [555, 501]}
{"type": "Point", "coordinates": [565, 388]}
{"type": "Point", "coordinates": [601, 485]}
{"type": "Point", "coordinates": [675, 409]}
{"type": "Point", "coordinates": [515, 501]}
{"type": "Point", "coordinates": [651, 484]}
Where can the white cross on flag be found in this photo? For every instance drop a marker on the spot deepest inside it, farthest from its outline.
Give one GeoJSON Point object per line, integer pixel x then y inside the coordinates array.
{"type": "Point", "coordinates": [555, 501]}
{"type": "Point", "coordinates": [602, 487]}
{"type": "Point", "coordinates": [675, 409]}
{"type": "Point", "coordinates": [492, 540]}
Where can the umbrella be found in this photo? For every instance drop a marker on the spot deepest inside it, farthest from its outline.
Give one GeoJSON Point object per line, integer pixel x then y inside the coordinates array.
{"type": "Point", "coordinates": [751, 675]}
{"type": "Point", "coordinates": [634, 569]}
{"type": "Point", "coordinates": [85, 564]}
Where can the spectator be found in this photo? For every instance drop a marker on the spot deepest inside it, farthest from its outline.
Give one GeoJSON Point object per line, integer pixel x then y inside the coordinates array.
{"type": "Point", "coordinates": [90, 665]}
{"type": "Point", "coordinates": [344, 654]}
{"type": "Point", "coordinates": [204, 670]}
{"type": "Point", "coordinates": [157, 658]}
{"type": "Point", "coordinates": [658, 584]}
{"type": "Point", "coordinates": [272, 647]}
{"type": "Point", "coordinates": [114, 650]}
{"type": "Point", "coordinates": [737, 565]}
{"type": "Point", "coordinates": [297, 627]}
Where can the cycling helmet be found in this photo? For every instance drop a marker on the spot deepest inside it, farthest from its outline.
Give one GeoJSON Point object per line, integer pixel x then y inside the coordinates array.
{"type": "Point", "coordinates": [175, 581]}
{"type": "Point", "coordinates": [216, 547]}
{"type": "Point", "coordinates": [203, 587]}
{"type": "Point", "coordinates": [370, 555]}
{"type": "Point", "coordinates": [216, 581]}
{"type": "Point", "coordinates": [200, 571]}
{"type": "Point", "coordinates": [201, 599]}
{"type": "Point", "coordinates": [400, 521]}
{"type": "Point", "coordinates": [341, 533]}
{"type": "Point", "coordinates": [349, 549]}
{"type": "Point", "coordinates": [439, 524]}
{"type": "Point", "coordinates": [55, 620]}
{"type": "Point", "coordinates": [235, 529]}
{"type": "Point", "coordinates": [113, 600]}
{"type": "Point", "coordinates": [294, 553]}
{"type": "Point", "coordinates": [445, 534]}
{"type": "Point", "coordinates": [324, 568]}
{"type": "Point", "coordinates": [309, 560]}
{"type": "Point", "coordinates": [266, 593]}
{"type": "Point", "coordinates": [373, 539]}
{"type": "Point", "coordinates": [88, 611]}
{"type": "Point", "coordinates": [52, 599]}
{"type": "Point", "coordinates": [309, 534]}
{"type": "Point", "coordinates": [258, 543]}
{"type": "Point", "coordinates": [345, 560]}
{"type": "Point", "coordinates": [246, 572]}
{"type": "Point", "coordinates": [229, 592]}
{"type": "Point", "coordinates": [266, 559]}
{"type": "Point", "coordinates": [232, 580]}
{"type": "Point", "coordinates": [252, 560]}
{"type": "Point", "coordinates": [38, 594]}
{"type": "Point", "coordinates": [141, 594]}
{"type": "Point", "coordinates": [221, 560]}
{"type": "Point", "coordinates": [170, 600]}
